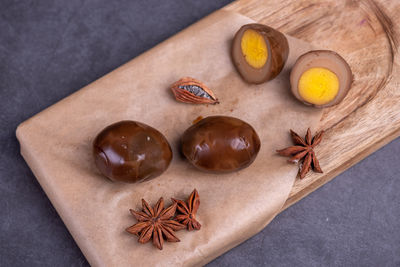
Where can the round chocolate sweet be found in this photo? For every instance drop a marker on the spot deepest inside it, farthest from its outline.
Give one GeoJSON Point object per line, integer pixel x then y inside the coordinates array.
{"type": "Point", "coordinates": [220, 144]}
{"type": "Point", "coordinates": [259, 52]}
{"type": "Point", "coordinates": [320, 78]}
{"type": "Point", "coordinates": [130, 151]}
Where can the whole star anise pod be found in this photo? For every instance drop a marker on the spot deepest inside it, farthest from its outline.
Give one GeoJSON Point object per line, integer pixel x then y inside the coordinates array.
{"type": "Point", "coordinates": [188, 211]}
{"type": "Point", "coordinates": [155, 222]}
{"type": "Point", "coordinates": [303, 150]}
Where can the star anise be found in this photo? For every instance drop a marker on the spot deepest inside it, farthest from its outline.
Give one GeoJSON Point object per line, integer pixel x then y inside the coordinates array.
{"type": "Point", "coordinates": [303, 150]}
{"type": "Point", "coordinates": [188, 211]}
{"type": "Point", "coordinates": [155, 222]}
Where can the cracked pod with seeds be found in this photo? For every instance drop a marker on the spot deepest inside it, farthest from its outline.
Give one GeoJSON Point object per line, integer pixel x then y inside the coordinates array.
{"type": "Point", "coordinates": [192, 91]}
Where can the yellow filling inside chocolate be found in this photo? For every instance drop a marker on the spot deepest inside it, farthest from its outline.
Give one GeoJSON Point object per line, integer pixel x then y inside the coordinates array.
{"type": "Point", "coordinates": [254, 48]}
{"type": "Point", "coordinates": [318, 86]}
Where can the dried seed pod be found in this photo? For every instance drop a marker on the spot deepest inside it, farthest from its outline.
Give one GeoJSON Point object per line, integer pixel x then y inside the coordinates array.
{"type": "Point", "coordinates": [189, 90]}
{"type": "Point", "coordinates": [303, 151]}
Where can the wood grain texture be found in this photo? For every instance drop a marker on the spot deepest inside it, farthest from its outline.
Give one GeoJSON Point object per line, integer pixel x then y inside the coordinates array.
{"type": "Point", "coordinates": [366, 34]}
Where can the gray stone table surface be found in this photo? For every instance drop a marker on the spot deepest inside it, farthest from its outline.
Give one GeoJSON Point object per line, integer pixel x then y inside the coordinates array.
{"type": "Point", "coordinates": [49, 49]}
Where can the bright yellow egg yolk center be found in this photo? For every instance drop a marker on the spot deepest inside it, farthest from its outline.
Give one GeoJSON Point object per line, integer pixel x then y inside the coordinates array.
{"type": "Point", "coordinates": [318, 86]}
{"type": "Point", "coordinates": [254, 48]}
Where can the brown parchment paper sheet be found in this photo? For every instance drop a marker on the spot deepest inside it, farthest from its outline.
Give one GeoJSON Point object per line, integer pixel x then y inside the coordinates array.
{"type": "Point", "coordinates": [56, 144]}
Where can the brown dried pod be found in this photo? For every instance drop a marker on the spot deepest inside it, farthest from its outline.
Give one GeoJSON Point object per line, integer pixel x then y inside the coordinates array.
{"type": "Point", "coordinates": [190, 90]}
{"type": "Point", "coordinates": [303, 151]}
{"type": "Point", "coordinates": [187, 211]}
{"type": "Point", "coordinates": [155, 223]}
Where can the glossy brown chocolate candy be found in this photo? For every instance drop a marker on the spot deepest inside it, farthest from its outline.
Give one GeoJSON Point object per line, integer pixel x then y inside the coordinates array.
{"type": "Point", "coordinates": [131, 151]}
{"type": "Point", "coordinates": [220, 144]}
{"type": "Point", "coordinates": [259, 52]}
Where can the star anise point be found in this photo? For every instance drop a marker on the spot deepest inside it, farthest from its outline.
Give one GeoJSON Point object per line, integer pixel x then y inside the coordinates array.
{"type": "Point", "coordinates": [188, 211]}
{"type": "Point", "coordinates": [303, 151]}
{"type": "Point", "coordinates": [155, 223]}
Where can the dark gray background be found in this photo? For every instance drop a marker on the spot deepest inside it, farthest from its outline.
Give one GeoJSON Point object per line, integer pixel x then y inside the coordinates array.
{"type": "Point", "coordinates": [49, 49]}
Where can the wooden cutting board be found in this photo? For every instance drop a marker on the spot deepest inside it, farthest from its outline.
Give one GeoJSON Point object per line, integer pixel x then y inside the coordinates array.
{"type": "Point", "coordinates": [366, 33]}
{"type": "Point", "coordinates": [368, 118]}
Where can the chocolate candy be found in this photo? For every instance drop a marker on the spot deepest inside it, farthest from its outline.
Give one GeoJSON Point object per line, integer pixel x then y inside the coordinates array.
{"type": "Point", "coordinates": [131, 151]}
{"type": "Point", "coordinates": [220, 144]}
